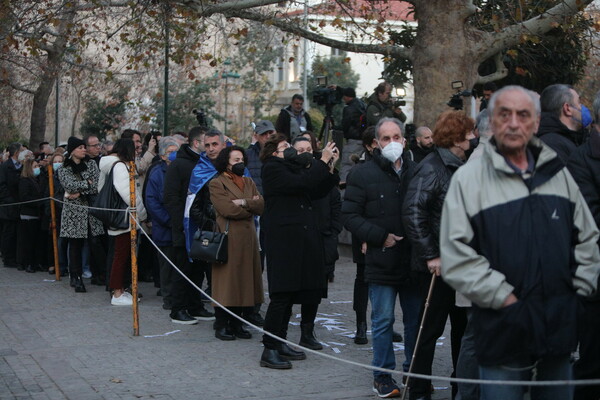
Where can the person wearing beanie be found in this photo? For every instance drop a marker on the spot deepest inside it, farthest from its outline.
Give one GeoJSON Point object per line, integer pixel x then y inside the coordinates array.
{"type": "Point", "coordinates": [79, 177]}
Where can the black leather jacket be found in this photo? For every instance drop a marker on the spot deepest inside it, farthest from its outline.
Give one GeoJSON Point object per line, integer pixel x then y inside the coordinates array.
{"type": "Point", "coordinates": [422, 208]}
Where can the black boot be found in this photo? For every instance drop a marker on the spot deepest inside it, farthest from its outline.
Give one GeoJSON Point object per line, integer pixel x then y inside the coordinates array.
{"type": "Point", "coordinates": [240, 332]}
{"type": "Point", "coordinates": [73, 279]}
{"type": "Point", "coordinates": [287, 353]}
{"type": "Point", "coordinates": [361, 333]}
{"type": "Point", "coordinates": [307, 337]}
{"type": "Point", "coordinates": [271, 359]}
{"type": "Point", "coordinates": [79, 286]}
{"type": "Point", "coordinates": [30, 268]}
{"type": "Point", "coordinates": [224, 333]}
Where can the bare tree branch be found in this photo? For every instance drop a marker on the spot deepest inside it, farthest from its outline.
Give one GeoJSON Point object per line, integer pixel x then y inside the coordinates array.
{"type": "Point", "coordinates": [227, 6]}
{"type": "Point", "coordinates": [494, 42]}
{"type": "Point", "coordinates": [296, 29]}
{"type": "Point", "coordinates": [501, 71]}
{"type": "Point", "coordinates": [16, 86]}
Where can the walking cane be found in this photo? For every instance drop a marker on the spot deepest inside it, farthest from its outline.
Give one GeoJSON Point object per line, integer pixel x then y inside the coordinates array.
{"type": "Point", "coordinates": [412, 361]}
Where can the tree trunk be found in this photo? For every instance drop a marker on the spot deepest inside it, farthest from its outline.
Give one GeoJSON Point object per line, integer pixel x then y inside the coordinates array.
{"type": "Point", "coordinates": [443, 53]}
{"type": "Point", "coordinates": [38, 111]}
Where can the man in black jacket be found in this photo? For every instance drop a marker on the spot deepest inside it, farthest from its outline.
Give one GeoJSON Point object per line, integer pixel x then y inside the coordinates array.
{"type": "Point", "coordinates": [351, 121]}
{"type": "Point", "coordinates": [584, 165]}
{"type": "Point", "coordinates": [293, 120]}
{"type": "Point", "coordinates": [561, 125]}
{"type": "Point", "coordinates": [10, 171]}
{"type": "Point", "coordinates": [372, 212]}
{"type": "Point", "coordinates": [186, 303]}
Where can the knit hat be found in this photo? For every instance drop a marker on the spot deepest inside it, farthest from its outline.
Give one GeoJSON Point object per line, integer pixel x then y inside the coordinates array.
{"type": "Point", "coordinates": [73, 143]}
{"type": "Point", "coordinates": [263, 126]}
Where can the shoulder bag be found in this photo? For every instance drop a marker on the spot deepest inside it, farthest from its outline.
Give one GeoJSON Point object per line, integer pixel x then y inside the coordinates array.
{"type": "Point", "coordinates": [107, 202]}
{"type": "Point", "coordinates": [210, 246]}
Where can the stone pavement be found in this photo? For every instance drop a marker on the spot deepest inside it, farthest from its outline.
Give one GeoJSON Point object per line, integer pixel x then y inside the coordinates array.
{"type": "Point", "coordinates": [58, 344]}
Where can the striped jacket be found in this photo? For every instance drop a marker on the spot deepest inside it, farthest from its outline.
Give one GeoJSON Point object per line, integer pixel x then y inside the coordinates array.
{"type": "Point", "coordinates": [534, 237]}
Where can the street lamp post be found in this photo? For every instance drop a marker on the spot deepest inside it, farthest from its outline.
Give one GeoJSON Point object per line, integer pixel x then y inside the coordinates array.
{"type": "Point", "coordinates": [226, 75]}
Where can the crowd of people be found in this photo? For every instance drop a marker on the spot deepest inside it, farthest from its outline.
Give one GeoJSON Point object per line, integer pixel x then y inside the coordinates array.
{"type": "Point", "coordinates": [491, 222]}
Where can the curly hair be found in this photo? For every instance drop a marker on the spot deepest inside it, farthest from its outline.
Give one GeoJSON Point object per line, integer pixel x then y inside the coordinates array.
{"type": "Point", "coordinates": [451, 127]}
{"type": "Point", "coordinates": [222, 160]}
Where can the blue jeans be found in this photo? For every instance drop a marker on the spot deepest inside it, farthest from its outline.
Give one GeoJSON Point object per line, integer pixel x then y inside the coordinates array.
{"type": "Point", "coordinates": [383, 299]}
{"type": "Point", "coordinates": [547, 369]}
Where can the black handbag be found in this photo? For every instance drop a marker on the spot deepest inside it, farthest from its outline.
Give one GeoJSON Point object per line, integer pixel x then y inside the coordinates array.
{"type": "Point", "coordinates": [210, 246]}
{"type": "Point", "coordinates": [107, 202]}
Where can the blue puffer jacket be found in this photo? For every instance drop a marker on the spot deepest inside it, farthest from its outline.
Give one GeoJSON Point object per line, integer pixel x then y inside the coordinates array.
{"type": "Point", "coordinates": [161, 221]}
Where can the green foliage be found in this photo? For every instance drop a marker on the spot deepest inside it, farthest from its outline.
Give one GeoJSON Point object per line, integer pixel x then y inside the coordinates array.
{"type": "Point", "coordinates": [338, 72]}
{"type": "Point", "coordinates": [104, 116]}
{"type": "Point", "coordinates": [183, 98]}
{"type": "Point", "coordinates": [399, 70]}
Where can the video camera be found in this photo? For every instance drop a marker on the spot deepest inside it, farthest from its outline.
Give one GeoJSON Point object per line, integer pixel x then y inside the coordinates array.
{"type": "Point", "coordinates": [456, 101]}
{"type": "Point", "coordinates": [325, 96]}
{"type": "Point", "coordinates": [200, 116]}
{"type": "Point", "coordinates": [398, 102]}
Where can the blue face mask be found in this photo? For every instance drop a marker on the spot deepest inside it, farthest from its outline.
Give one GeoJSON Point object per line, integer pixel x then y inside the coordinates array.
{"type": "Point", "coordinates": [586, 116]}
{"type": "Point", "coordinates": [56, 165]}
{"type": "Point", "coordinates": [172, 156]}
{"type": "Point", "coordinates": [36, 171]}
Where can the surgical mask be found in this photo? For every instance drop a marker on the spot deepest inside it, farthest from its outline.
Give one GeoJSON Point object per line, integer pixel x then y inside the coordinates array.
{"type": "Point", "coordinates": [172, 156]}
{"type": "Point", "coordinates": [238, 168]}
{"type": "Point", "coordinates": [36, 171]}
{"type": "Point", "coordinates": [393, 151]}
{"type": "Point", "coordinates": [586, 116]}
{"type": "Point", "coordinates": [56, 165]}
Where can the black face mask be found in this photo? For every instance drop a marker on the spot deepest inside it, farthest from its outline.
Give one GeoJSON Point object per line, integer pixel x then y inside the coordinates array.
{"type": "Point", "coordinates": [291, 154]}
{"type": "Point", "coordinates": [238, 168]}
{"type": "Point", "coordinates": [473, 143]}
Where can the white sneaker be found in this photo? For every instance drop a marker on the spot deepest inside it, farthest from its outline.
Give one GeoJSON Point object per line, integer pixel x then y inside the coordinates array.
{"type": "Point", "coordinates": [86, 275]}
{"type": "Point", "coordinates": [122, 300]}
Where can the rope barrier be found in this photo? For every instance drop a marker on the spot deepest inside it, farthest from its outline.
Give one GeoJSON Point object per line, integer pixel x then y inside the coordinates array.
{"type": "Point", "coordinates": [580, 382]}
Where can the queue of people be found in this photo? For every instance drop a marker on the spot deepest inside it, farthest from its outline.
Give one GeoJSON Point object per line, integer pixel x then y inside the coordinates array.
{"type": "Point", "coordinates": [501, 240]}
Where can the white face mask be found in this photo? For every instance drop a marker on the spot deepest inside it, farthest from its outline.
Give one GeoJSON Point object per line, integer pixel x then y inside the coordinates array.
{"type": "Point", "coordinates": [393, 151]}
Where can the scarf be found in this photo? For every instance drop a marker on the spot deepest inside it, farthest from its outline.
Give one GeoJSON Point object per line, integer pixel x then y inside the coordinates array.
{"type": "Point", "coordinates": [238, 180]}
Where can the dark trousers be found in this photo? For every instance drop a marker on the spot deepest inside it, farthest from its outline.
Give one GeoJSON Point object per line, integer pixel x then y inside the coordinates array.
{"type": "Point", "coordinates": [588, 365]}
{"type": "Point", "coordinates": [184, 295]}
{"type": "Point", "coordinates": [121, 260]}
{"type": "Point", "coordinates": [148, 262]}
{"type": "Point", "coordinates": [29, 237]}
{"type": "Point", "coordinates": [361, 294]}
{"type": "Point", "coordinates": [166, 272]}
{"type": "Point", "coordinates": [277, 317]}
{"type": "Point", "coordinates": [98, 253]}
{"type": "Point", "coordinates": [9, 241]}
{"type": "Point", "coordinates": [75, 256]}
{"type": "Point", "coordinates": [441, 305]}
{"type": "Point", "coordinates": [223, 319]}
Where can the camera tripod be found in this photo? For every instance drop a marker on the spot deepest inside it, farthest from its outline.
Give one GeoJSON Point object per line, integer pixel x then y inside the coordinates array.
{"type": "Point", "coordinates": [327, 127]}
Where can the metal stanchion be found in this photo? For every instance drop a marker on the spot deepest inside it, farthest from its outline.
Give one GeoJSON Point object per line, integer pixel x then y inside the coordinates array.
{"type": "Point", "coordinates": [53, 221]}
{"type": "Point", "coordinates": [133, 232]}
{"type": "Point", "coordinates": [412, 361]}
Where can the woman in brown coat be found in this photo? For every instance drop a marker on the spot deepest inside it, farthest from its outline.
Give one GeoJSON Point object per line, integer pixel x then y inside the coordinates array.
{"type": "Point", "coordinates": [238, 283]}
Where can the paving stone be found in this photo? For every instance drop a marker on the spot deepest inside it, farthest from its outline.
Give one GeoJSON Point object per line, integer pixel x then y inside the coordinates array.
{"type": "Point", "coordinates": [57, 344]}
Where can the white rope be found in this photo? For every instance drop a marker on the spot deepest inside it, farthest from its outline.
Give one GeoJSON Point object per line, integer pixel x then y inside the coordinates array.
{"type": "Point", "coordinates": [370, 367]}
{"type": "Point", "coordinates": [579, 382]}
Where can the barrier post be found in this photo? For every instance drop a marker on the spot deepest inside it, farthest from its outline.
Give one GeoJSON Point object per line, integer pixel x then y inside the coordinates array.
{"type": "Point", "coordinates": [133, 232]}
{"type": "Point", "coordinates": [53, 221]}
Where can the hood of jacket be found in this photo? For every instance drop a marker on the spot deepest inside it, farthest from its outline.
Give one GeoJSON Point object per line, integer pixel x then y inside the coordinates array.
{"type": "Point", "coordinates": [550, 123]}
{"type": "Point", "coordinates": [186, 152]}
